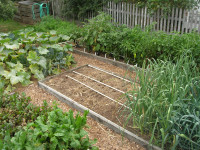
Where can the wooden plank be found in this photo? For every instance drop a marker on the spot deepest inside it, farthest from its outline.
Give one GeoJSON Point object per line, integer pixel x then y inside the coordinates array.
{"type": "Point", "coordinates": [110, 8]}
{"type": "Point", "coordinates": [120, 13]}
{"type": "Point", "coordinates": [191, 19]}
{"type": "Point", "coordinates": [165, 24]}
{"type": "Point", "coordinates": [155, 20]}
{"type": "Point", "coordinates": [158, 19]}
{"type": "Point", "coordinates": [145, 17]}
{"type": "Point", "coordinates": [179, 20]}
{"type": "Point", "coordinates": [115, 10]}
{"type": "Point", "coordinates": [122, 19]}
{"type": "Point", "coordinates": [168, 22]}
{"type": "Point", "coordinates": [187, 21]}
{"type": "Point", "coordinates": [117, 13]}
{"type": "Point", "coordinates": [133, 15]}
{"type": "Point", "coordinates": [176, 19]}
{"type": "Point", "coordinates": [142, 17]}
{"type": "Point", "coordinates": [172, 21]}
{"type": "Point", "coordinates": [125, 12]}
{"type": "Point", "coordinates": [136, 16]}
{"type": "Point", "coordinates": [161, 20]}
{"type": "Point", "coordinates": [183, 21]}
{"type": "Point", "coordinates": [128, 15]}
{"type": "Point", "coordinates": [148, 17]}
{"type": "Point", "coordinates": [196, 15]}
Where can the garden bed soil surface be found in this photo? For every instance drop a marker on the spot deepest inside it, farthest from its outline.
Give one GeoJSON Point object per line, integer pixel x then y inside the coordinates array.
{"type": "Point", "coordinates": [107, 139]}
{"type": "Point", "coordinates": [111, 108]}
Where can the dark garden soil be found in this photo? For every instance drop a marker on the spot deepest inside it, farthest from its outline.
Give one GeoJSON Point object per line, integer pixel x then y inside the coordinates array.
{"type": "Point", "coordinates": [107, 139]}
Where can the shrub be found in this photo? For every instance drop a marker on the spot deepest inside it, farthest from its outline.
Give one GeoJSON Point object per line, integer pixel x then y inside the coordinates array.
{"type": "Point", "coordinates": [7, 9]}
{"type": "Point", "coordinates": [62, 27]}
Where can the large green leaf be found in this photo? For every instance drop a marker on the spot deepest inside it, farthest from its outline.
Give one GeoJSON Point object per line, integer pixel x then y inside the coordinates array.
{"type": "Point", "coordinates": [57, 47]}
{"type": "Point", "coordinates": [64, 37]}
{"type": "Point", "coordinates": [33, 57]}
{"type": "Point", "coordinates": [1, 48]}
{"type": "Point", "coordinates": [54, 39]}
{"type": "Point", "coordinates": [2, 58]}
{"type": "Point", "coordinates": [68, 47]}
{"type": "Point", "coordinates": [12, 75]}
{"type": "Point", "coordinates": [42, 50]}
{"type": "Point", "coordinates": [39, 34]}
{"type": "Point", "coordinates": [53, 32]}
{"type": "Point", "coordinates": [26, 78]}
{"type": "Point", "coordinates": [2, 83]}
{"type": "Point", "coordinates": [42, 62]}
{"type": "Point", "coordinates": [6, 52]}
{"type": "Point", "coordinates": [35, 70]}
{"type": "Point", "coordinates": [12, 46]}
{"type": "Point", "coordinates": [1, 68]}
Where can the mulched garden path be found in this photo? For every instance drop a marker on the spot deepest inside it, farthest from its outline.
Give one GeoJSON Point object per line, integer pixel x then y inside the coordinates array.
{"type": "Point", "coordinates": [107, 139]}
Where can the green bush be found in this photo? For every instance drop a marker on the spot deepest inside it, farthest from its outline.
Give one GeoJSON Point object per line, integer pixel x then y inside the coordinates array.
{"type": "Point", "coordinates": [166, 104]}
{"type": "Point", "coordinates": [136, 45]}
{"type": "Point", "coordinates": [76, 9]}
{"type": "Point", "coordinates": [92, 30]}
{"type": "Point", "coordinates": [7, 9]}
{"type": "Point", "coordinates": [62, 27]}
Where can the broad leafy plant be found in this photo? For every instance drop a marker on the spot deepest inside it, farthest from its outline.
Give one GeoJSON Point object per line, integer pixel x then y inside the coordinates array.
{"type": "Point", "coordinates": [25, 52]}
{"type": "Point", "coordinates": [58, 131]}
{"type": "Point", "coordinates": [17, 112]}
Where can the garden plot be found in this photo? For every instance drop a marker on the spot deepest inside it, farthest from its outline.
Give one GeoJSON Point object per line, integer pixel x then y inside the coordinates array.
{"type": "Point", "coordinates": [102, 92]}
{"type": "Point", "coordinates": [97, 89]}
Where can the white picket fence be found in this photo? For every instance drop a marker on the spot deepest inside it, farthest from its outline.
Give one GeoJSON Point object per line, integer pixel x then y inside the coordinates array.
{"type": "Point", "coordinates": [179, 20]}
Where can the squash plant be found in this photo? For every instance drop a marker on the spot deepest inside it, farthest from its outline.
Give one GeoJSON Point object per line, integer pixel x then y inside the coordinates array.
{"type": "Point", "coordinates": [24, 53]}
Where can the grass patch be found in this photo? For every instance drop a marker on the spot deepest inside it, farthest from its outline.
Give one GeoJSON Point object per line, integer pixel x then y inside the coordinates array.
{"type": "Point", "coordinates": [11, 25]}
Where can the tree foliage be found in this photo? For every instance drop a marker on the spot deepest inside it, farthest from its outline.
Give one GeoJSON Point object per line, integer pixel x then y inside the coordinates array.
{"type": "Point", "coordinates": [79, 8]}
{"type": "Point", "coordinates": [7, 9]}
{"type": "Point", "coordinates": [166, 5]}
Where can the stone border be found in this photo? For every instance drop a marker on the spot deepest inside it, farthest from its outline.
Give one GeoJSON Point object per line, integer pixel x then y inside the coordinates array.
{"type": "Point", "coordinates": [95, 115]}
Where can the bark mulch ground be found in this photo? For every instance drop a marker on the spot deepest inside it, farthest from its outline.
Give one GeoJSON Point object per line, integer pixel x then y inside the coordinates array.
{"type": "Point", "coordinates": [107, 139]}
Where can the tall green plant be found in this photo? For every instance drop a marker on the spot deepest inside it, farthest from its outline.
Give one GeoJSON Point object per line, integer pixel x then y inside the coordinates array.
{"type": "Point", "coordinates": [163, 103]}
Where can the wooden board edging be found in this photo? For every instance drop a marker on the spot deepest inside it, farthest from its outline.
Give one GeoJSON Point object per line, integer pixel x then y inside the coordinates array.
{"type": "Point", "coordinates": [106, 60]}
{"type": "Point", "coordinates": [98, 117]}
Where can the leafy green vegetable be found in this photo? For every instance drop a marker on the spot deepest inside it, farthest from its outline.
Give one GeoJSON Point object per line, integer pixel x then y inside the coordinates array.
{"type": "Point", "coordinates": [27, 52]}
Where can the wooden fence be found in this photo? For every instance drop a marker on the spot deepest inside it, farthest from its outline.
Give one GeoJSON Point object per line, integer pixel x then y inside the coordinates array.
{"type": "Point", "coordinates": [179, 20]}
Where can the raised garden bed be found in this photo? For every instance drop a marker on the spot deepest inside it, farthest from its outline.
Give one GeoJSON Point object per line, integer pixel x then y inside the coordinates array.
{"type": "Point", "coordinates": [100, 91]}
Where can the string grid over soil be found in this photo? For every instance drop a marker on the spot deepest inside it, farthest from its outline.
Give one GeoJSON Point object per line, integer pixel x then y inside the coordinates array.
{"type": "Point", "coordinates": [107, 139]}
{"type": "Point", "coordinates": [79, 85]}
